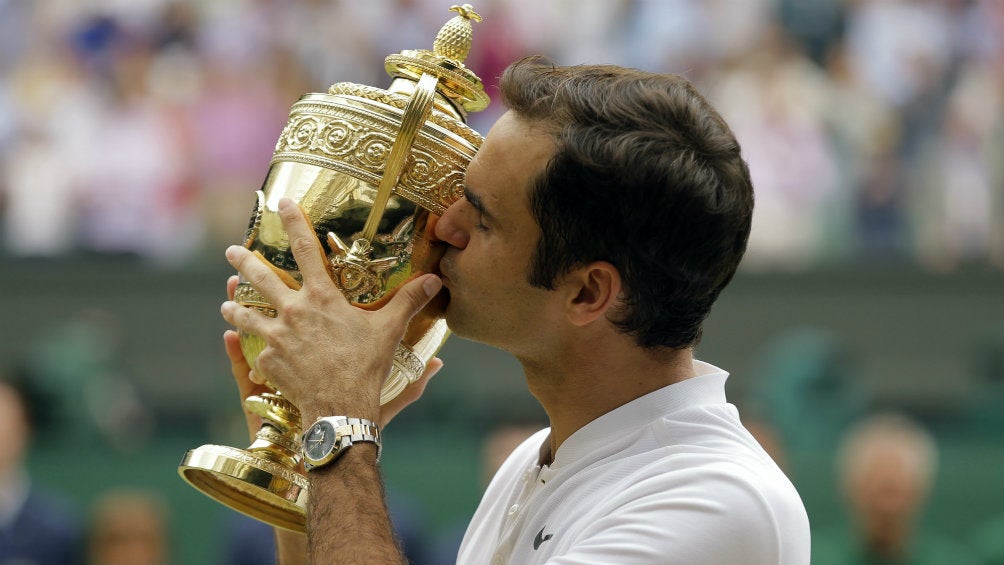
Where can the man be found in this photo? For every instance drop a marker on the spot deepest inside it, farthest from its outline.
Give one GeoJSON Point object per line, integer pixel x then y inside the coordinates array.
{"type": "Point", "coordinates": [886, 467]}
{"type": "Point", "coordinates": [36, 526]}
{"type": "Point", "coordinates": [603, 215]}
{"type": "Point", "coordinates": [129, 526]}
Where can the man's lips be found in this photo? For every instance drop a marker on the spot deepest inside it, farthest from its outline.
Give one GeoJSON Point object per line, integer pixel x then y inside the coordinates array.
{"type": "Point", "coordinates": [443, 276]}
{"type": "Point", "coordinates": [443, 267]}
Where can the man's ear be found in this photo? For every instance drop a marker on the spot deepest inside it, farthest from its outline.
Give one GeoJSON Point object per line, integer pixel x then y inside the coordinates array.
{"type": "Point", "coordinates": [593, 290]}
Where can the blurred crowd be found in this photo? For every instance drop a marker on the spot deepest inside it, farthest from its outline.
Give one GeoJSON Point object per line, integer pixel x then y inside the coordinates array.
{"type": "Point", "coordinates": [874, 129]}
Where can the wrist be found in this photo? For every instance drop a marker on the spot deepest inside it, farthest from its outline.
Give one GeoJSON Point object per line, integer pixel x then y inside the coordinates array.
{"type": "Point", "coordinates": [312, 415]}
{"type": "Point", "coordinates": [363, 453]}
{"type": "Point", "coordinates": [350, 403]}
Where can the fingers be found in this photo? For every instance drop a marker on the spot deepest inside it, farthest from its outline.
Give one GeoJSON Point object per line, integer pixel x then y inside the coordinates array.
{"type": "Point", "coordinates": [246, 319]}
{"type": "Point", "coordinates": [232, 286]}
{"type": "Point", "coordinates": [303, 243]}
{"type": "Point", "coordinates": [412, 297]}
{"type": "Point", "coordinates": [411, 393]}
{"type": "Point", "coordinates": [238, 364]}
{"type": "Point", "coordinates": [232, 344]}
{"type": "Point", "coordinates": [241, 371]}
{"type": "Point", "coordinates": [256, 272]}
{"type": "Point", "coordinates": [285, 277]}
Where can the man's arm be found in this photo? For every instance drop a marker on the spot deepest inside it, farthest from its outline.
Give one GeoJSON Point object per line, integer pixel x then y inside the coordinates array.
{"type": "Point", "coordinates": [348, 521]}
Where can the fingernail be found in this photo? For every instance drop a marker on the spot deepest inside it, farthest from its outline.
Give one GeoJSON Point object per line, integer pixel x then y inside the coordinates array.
{"type": "Point", "coordinates": [285, 203]}
{"type": "Point", "coordinates": [431, 285]}
{"type": "Point", "coordinates": [231, 251]}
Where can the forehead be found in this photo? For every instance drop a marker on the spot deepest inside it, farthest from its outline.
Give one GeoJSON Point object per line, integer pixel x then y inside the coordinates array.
{"type": "Point", "coordinates": [514, 152]}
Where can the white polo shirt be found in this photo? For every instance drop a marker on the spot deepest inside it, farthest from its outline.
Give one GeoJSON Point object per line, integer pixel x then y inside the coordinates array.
{"type": "Point", "coordinates": [671, 477]}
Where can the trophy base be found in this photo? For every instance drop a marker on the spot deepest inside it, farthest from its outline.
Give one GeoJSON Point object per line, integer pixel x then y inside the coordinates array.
{"type": "Point", "coordinates": [248, 483]}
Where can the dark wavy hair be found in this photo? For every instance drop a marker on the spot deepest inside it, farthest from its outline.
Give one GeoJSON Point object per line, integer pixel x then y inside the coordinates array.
{"type": "Point", "coordinates": [647, 176]}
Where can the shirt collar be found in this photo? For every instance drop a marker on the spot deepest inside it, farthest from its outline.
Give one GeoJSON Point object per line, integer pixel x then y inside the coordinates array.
{"type": "Point", "coordinates": [707, 387]}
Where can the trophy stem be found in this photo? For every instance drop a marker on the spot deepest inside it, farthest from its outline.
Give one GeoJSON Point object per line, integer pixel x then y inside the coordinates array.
{"type": "Point", "coordinates": [262, 481]}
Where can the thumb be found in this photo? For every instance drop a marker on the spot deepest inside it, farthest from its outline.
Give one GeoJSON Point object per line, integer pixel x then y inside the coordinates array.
{"type": "Point", "coordinates": [413, 296]}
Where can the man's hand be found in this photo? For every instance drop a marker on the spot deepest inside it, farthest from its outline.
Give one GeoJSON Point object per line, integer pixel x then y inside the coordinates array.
{"type": "Point", "coordinates": [327, 356]}
{"type": "Point", "coordinates": [240, 369]}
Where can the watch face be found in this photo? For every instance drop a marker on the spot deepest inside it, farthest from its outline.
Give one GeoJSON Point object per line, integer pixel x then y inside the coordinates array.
{"type": "Point", "coordinates": [319, 441]}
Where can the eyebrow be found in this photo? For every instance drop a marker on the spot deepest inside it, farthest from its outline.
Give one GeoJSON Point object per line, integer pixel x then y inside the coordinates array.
{"type": "Point", "coordinates": [477, 202]}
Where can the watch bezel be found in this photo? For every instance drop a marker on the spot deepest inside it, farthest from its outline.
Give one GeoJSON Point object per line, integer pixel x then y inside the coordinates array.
{"type": "Point", "coordinates": [331, 452]}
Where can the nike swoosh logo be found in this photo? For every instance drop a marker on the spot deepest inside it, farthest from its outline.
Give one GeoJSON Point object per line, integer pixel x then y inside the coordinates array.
{"type": "Point", "coordinates": [541, 538]}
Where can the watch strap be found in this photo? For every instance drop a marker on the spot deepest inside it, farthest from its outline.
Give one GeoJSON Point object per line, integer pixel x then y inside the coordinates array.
{"type": "Point", "coordinates": [355, 430]}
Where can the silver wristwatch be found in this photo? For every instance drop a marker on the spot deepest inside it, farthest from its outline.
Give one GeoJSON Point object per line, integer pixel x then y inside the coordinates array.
{"type": "Point", "coordinates": [331, 436]}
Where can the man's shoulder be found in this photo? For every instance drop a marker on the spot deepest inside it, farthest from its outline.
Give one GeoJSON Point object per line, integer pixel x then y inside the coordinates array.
{"type": "Point", "coordinates": [716, 455]}
{"type": "Point", "coordinates": [711, 470]}
{"type": "Point", "coordinates": [706, 495]}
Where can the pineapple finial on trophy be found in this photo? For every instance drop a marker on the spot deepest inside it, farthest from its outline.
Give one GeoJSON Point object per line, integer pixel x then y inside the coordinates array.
{"type": "Point", "coordinates": [454, 39]}
{"type": "Point", "coordinates": [445, 61]}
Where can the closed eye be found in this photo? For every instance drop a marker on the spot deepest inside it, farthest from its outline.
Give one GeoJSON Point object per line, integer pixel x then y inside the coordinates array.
{"type": "Point", "coordinates": [476, 202]}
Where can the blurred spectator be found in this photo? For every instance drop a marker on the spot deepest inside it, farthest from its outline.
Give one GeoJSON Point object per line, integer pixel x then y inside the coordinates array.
{"type": "Point", "coordinates": [675, 35]}
{"type": "Point", "coordinates": [866, 221]}
{"type": "Point", "coordinates": [887, 465]}
{"type": "Point", "coordinates": [776, 99]}
{"type": "Point", "coordinates": [900, 48]}
{"type": "Point", "coordinates": [240, 110]}
{"type": "Point", "coordinates": [237, 122]}
{"type": "Point", "coordinates": [961, 189]}
{"type": "Point", "coordinates": [80, 361]}
{"type": "Point", "coordinates": [248, 542]}
{"type": "Point", "coordinates": [128, 527]}
{"type": "Point", "coordinates": [52, 116]}
{"type": "Point", "coordinates": [36, 527]}
{"type": "Point", "coordinates": [816, 24]}
{"type": "Point", "coordinates": [131, 197]}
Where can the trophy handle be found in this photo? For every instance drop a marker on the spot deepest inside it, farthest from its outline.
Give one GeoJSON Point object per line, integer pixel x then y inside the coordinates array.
{"type": "Point", "coordinates": [415, 113]}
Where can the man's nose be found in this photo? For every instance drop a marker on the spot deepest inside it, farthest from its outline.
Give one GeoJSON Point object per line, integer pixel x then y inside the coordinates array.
{"type": "Point", "coordinates": [449, 227]}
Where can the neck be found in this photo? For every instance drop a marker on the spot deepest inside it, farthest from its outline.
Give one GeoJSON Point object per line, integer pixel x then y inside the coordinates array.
{"type": "Point", "coordinates": [577, 384]}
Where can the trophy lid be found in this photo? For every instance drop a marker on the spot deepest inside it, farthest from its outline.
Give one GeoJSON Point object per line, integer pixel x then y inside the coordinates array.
{"type": "Point", "coordinates": [446, 62]}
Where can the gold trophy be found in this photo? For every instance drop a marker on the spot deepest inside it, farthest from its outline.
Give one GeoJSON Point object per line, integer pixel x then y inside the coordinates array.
{"type": "Point", "coordinates": [369, 167]}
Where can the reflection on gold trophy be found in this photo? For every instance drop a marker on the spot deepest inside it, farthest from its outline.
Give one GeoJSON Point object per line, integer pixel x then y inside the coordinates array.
{"type": "Point", "coordinates": [369, 167]}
